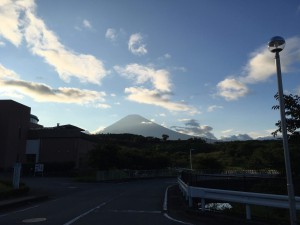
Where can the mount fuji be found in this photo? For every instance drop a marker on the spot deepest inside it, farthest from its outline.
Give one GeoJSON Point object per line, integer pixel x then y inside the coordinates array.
{"type": "Point", "coordinates": [136, 124]}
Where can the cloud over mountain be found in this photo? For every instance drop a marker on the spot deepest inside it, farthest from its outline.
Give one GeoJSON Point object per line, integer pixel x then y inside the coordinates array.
{"type": "Point", "coordinates": [192, 127]}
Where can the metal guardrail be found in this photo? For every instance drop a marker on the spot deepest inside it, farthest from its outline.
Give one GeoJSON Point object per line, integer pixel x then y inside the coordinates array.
{"type": "Point", "coordinates": [247, 198]}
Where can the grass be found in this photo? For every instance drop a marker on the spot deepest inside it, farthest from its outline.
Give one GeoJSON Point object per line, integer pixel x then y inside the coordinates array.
{"type": "Point", "coordinates": [7, 190]}
{"type": "Point", "coordinates": [4, 187]}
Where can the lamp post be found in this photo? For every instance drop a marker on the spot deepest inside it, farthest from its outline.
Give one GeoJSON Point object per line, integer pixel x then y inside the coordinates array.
{"type": "Point", "coordinates": [191, 163]}
{"type": "Point", "coordinates": [276, 45]}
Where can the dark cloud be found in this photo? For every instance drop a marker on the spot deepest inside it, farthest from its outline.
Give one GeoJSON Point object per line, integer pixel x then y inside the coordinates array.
{"type": "Point", "coordinates": [43, 93]}
{"type": "Point", "coordinates": [192, 123]}
{"type": "Point", "coordinates": [192, 127]}
{"type": "Point", "coordinates": [35, 87]}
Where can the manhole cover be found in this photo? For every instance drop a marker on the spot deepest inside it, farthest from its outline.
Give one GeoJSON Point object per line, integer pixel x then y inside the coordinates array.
{"type": "Point", "coordinates": [34, 220]}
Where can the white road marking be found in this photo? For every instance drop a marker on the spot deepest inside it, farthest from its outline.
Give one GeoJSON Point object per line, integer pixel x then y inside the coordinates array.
{"type": "Point", "coordinates": [165, 208]}
{"type": "Point", "coordinates": [91, 210]}
{"type": "Point", "coordinates": [21, 210]}
{"type": "Point", "coordinates": [84, 214]}
{"type": "Point", "coordinates": [34, 220]}
{"type": "Point", "coordinates": [178, 221]}
{"type": "Point", "coordinates": [134, 211]}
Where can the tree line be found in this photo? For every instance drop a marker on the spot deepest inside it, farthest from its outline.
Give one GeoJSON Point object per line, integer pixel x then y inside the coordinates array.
{"type": "Point", "coordinates": [128, 151]}
{"type": "Point", "coordinates": [240, 155]}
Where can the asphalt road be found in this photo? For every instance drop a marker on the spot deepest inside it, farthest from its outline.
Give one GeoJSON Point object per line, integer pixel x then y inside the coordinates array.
{"type": "Point", "coordinates": [71, 203]}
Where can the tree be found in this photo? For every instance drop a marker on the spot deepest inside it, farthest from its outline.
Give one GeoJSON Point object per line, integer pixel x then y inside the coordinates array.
{"type": "Point", "coordinates": [292, 112]}
{"type": "Point", "coordinates": [208, 162]}
{"type": "Point", "coordinates": [165, 137]}
{"type": "Point", "coordinates": [104, 157]}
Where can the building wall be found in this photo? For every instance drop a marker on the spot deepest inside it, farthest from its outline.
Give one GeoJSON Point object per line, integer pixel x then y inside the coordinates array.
{"type": "Point", "coordinates": [14, 125]}
{"type": "Point", "coordinates": [65, 150]}
{"type": "Point", "coordinates": [20, 142]}
{"type": "Point", "coordinates": [61, 144]}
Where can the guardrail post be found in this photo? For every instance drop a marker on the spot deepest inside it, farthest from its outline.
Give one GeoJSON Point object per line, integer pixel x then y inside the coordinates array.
{"type": "Point", "coordinates": [248, 212]}
{"type": "Point", "coordinates": [190, 197]}
{"type": "Point", "coordinates": [203, 204]}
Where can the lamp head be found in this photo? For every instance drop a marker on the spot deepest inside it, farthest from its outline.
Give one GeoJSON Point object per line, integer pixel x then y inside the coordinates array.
{"type": "Point", "coordinates": [276, 44]}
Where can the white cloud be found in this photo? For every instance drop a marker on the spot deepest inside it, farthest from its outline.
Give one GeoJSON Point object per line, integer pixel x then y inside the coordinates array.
{"type": "Point", "coordinates": [98, 130]}
{"type": "Point", "coordinates": [165, 56]}
{"type": "Point", "coordinates": [231, 89]}
{"type": "Point", "coordinates": [11, 85]}
{"type": "Point", "coordinates": [259, 68]}
{"type": "Point", "coordinates": [226, 131]}
{"type": "Point", "coordinates": [238, 137]}
{"type": "Point", "coordinates": [7, 73]}
{"type": "Point", "coordinates": [261, 134]}
{"type": "Point", "coordinates": [155, 97]}
{"type": "Point", "coordinates": [2, 43]}
{"type": "Point", "coordinates": [9, 17]}
{"type": "Point", "coordinates": [160, 95]}
{"type": "Point", "coordinates": [87, 24]}
{"type": "Point", "coordinates": [298, 91]}
{"type": "Point", "coordinates": [111, 34]}
{"type": "Point", "coordinates": [136, 45]}
{"type": "Point", "coordinates": [141, 74]}
{"type": "Point", "coordinates": [103, 106]}
{"type": "Point", "coordinates": [18, 20]}
{"type": "Point", "coordinates": [213, 108]}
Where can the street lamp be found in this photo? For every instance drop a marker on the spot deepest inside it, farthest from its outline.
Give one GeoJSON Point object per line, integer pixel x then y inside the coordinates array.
{"type": "Point", "coordinates": [276, 45]}
{"type": "Point", "coordinates": [191, 163]}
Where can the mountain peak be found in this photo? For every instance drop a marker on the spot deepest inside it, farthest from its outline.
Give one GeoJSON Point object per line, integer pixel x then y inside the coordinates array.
{"type": "Point", "coordinates": [134, 117]}
{"type": "Point", "coordinates": [136, 124]}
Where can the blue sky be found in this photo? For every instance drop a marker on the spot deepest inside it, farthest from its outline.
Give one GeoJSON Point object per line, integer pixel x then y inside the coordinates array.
{"type": "Point", "coordinates": [197, 66]}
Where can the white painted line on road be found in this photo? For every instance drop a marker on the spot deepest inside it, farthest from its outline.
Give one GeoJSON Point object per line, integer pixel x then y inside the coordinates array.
{"type": "Point", "coordinates": [84, 214]}
{"type": "Point", "coordinates": [22, 210]}
{"type": "Point", "coordinates": [134, 211]}
{"type": "Point", "coordinates": [4, 215]}
{"type": "Point", "coordinates": [178, 221]}
{"type": "Point", "coordinates": [34, 220]}
{"type": "Point", "coordinates": [91, 210]}
{"type": "Point", "coordinates": [165, 208]}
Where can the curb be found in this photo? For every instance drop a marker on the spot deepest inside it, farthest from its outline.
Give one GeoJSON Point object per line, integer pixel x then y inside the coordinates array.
{"type": "Point", "coordinates": [165, 208]}
{"type": "Point", "coordinates": [22, 200]}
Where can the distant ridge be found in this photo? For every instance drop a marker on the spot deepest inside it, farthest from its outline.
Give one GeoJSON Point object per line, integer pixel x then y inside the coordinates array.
{"type": "Point", "coordinates": [136, 124]}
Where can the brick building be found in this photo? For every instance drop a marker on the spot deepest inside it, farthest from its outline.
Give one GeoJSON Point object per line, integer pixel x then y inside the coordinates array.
{"type": "Point", "coordinates": [14, 126]}
{"type": "Point", "coordinates": [23, 140]}
{"type": "Point", "coordinates": [66, 143]}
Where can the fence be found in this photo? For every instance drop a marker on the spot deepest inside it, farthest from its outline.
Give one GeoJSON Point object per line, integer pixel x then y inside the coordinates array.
{"type": "Point", "coordinates": [247, 198]}
{"type": "Point", "coordinates": [269, 183]}
{"type": "Point", "coordinates": [134, 174]}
